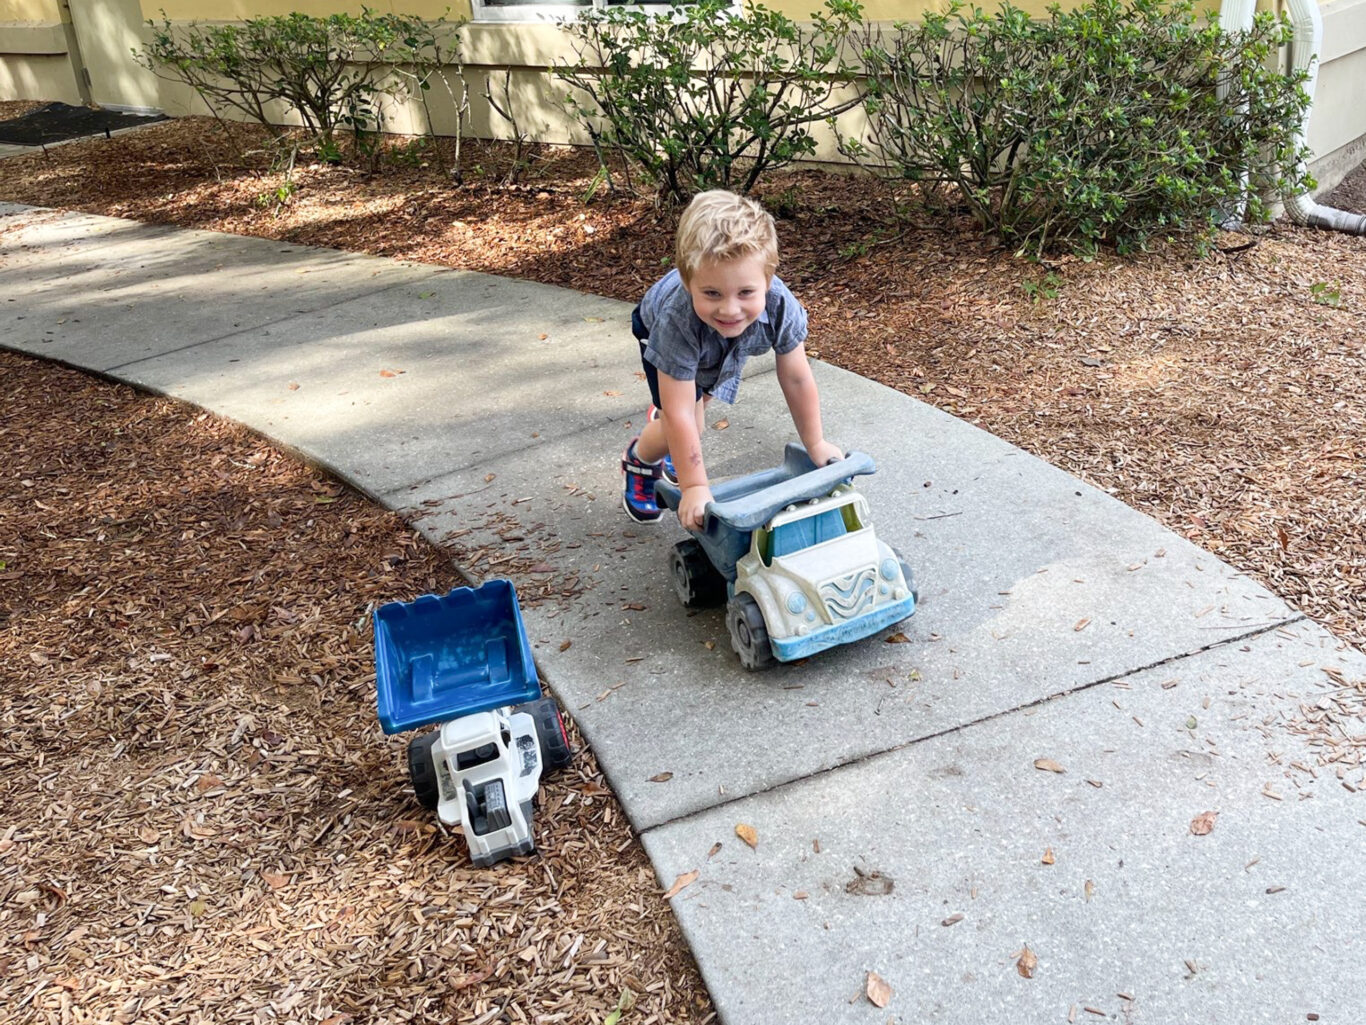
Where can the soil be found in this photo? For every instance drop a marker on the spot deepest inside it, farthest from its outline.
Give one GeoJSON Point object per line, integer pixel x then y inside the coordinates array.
{"type": "Point", "coordinates": [1350, 193]}
{"type": "Point", "coordinates": [1223, 393]}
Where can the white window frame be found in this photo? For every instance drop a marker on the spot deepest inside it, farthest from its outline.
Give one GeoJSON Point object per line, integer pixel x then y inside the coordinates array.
{"type": "Point", "coordinates": [550, 11]}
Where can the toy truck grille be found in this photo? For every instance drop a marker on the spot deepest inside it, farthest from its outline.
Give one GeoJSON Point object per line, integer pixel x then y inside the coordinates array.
{"type": "Point", "coordinates": [850, 594]}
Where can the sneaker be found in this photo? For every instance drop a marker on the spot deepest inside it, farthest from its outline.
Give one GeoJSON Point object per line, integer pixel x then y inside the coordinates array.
{"type": "Point", "coordinates": [669, 474]}
{"type": "Point", "coordinates": [638, 496]}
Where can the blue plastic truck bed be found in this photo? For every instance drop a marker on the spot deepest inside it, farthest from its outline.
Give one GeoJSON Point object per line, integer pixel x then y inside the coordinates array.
{"type": "Point", "coordinates": [438, 658]}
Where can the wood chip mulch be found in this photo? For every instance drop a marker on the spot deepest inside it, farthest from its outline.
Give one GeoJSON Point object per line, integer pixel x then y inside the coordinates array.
{"type": "Point", "coordinates": [200, 819]}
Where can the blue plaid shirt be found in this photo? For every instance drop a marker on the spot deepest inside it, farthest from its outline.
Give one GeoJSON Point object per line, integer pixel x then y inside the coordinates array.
{"type": "Point", "coordinates": [686, 349]}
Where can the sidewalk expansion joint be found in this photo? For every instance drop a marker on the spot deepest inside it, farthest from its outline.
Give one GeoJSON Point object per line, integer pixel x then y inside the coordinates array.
{"type": "Point", "coordinates": [960, 727]}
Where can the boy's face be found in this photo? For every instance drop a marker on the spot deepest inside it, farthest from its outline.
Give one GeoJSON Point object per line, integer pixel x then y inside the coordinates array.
{"type": "Point", "coordinates": [730, 295]}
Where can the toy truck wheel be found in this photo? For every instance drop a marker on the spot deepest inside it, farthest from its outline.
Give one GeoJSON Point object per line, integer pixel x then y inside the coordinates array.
{"type": "Point", "coordinates": [748, 633]}
{"type": "Point", "coordinates": [423, 770]}
{"type": "Point", "coordinates": [556, 753]}
{"type": "Point", "coordinates": [909, 574]}
{"type": "Point", "coordinates": [695, 579]}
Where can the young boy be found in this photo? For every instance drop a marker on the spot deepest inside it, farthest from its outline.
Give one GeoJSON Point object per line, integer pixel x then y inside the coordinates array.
{"type": "Point", "coordinates": [696, 326]}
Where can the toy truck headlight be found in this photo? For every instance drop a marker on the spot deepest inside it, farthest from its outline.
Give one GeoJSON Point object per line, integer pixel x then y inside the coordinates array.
{"type": "Point", "coordinates": [889, 569]}
{"type": "Point", "coordinates": [796, 603]}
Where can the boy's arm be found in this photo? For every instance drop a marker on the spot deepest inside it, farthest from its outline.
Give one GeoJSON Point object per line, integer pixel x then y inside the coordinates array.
{"type": "Point", "coordinates": [678, 400]}
{"type": "Point", "coordinates": [803, 401]}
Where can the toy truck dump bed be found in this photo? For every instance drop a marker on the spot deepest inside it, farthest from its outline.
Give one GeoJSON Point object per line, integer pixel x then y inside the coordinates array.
{"type": "Point", "coordinates": [438, 658]}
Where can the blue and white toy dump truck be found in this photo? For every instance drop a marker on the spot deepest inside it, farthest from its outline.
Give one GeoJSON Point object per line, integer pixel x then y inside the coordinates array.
{"type": "Point", "coordinates": [792, 554]}
{"type": "Point", "coordinates": [462, 661]}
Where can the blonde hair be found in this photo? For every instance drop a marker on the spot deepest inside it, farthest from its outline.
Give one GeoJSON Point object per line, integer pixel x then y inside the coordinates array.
{"type": "Point", "coordinates": [718, 226]}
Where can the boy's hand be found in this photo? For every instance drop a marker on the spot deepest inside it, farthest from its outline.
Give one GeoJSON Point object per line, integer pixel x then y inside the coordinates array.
{"type": "Point", "coordinates": [692, 507]}
{"type": "Point", "coordinates": [824, 453]}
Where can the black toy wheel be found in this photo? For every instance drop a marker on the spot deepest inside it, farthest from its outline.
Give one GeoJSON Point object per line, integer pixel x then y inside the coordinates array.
{"type": "Point", "coordinates": [748, 633]}
{"type": "Point", "coordinates": [422, 770]}
{"type": "Point", "coordinates": [695, 579]}
{"type": "Point", "coordinates": [556, 753]}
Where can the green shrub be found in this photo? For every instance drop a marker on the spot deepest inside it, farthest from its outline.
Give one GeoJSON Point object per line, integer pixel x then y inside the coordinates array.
{"type": "Point", "coordinates": [1109, 123]}
{"type": "Point", "coordinates": [332, 73]}
{"type": "Point", "coordinates": [703, 96]}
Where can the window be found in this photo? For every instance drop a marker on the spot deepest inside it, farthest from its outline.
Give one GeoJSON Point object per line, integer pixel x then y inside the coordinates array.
{"type": "Point", "coordinates": [549, 10]}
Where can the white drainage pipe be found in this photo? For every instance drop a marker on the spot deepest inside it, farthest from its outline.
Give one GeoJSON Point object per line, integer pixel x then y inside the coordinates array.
{"type": "Point", "coordinates": [1304, 50]}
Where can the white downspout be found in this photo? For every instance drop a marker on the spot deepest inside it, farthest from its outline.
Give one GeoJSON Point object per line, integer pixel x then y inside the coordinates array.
{"type": "Point", "coordinates": [1236, 16]}
{"type": "Point", "coordinates": [1304, 49]}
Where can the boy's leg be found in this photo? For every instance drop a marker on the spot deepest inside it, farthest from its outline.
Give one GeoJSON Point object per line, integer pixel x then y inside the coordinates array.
{"type": "Point", "coordinates": [638, 472]}
{"type": "Point", "coordinates": [638, 479]}
{"type": "Point", "coordinates": [670, 474]}
{"type": "Point", "coordinates": [653, 443]}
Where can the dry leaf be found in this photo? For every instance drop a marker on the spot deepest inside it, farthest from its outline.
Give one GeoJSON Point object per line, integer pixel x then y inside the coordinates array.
{"type": "Point", "coordinates": [1026, 963]}
{"type": "Point", "coordinates": [542, 336]}
{"type": "Point", "coordinates": [293, 385]}
{"type": "Point", "coordinates": [1048, 765]}
{"type": "Point", "coordinates": [1048, 858]}
{"type": "Point", "coordinates": [611, 394]}
{"type": "Point", "coordinates": [387, 373]}
{"type": "Point", "coordinates": [661, 777]}
{"type": "Point", "coordinates": [1089, 889]}
{"type": "Point", "coordinates": [564, 645]}
{"type": "Point", "coordinates": [1204, 822]}
{"type": "Point", "coordinates": [275, 880]}
{"type": "Point", "coordinates": [1283, 538]}
{"type": "Point", "coordinates": [898, 638]}
{"type": "Point", "coordinates": [720, 425]}
{"type": "Point", "coordinates": [879, 993]}
{"type": "Point", "coordinates": [686, 879]}
{"type": "Point", "coordinates": [747, 834]}
{"type": "Point", "coordinates": [715, 850]}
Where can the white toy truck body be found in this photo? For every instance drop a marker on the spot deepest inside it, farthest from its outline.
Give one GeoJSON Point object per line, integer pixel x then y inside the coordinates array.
{"type": "Point", "coordinates": [791, 553]}
{"type": "Point", "coordinates": [821, 577]}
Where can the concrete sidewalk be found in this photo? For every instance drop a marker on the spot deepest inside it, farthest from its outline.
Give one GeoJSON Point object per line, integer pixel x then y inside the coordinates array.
{"type": "Point", "coordinates": [902, 824]}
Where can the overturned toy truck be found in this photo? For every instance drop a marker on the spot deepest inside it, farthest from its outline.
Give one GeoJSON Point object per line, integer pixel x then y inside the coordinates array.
{"type": "Point", "coordinates": [792, 553]}
{"type": "Point", "coordinates": [462, 661]}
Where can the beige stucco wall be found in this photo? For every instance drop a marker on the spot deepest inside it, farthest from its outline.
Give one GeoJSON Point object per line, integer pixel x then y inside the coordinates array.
{"type": "Point", "coordinates": [37, 77]}
{"type": "Point", "coordinates": [28, 10]}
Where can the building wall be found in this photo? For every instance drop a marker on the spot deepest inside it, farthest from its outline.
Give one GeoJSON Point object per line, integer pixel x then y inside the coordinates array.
{"type": "Point", "coordinates": [37, 62]}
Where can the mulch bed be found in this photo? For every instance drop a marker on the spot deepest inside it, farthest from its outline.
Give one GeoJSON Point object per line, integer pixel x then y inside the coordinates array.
{"type": "Point", "coordinates": [199, 816]}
